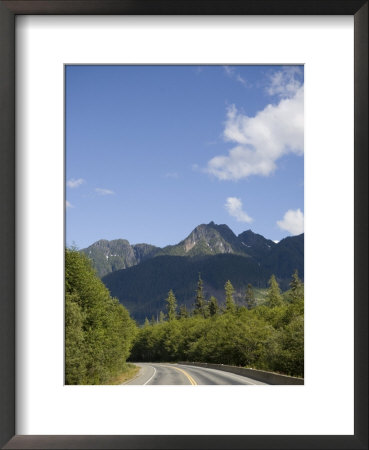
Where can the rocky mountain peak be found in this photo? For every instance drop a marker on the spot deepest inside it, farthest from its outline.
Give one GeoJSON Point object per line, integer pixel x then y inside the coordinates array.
{"type": "Point", "coordinates": [250, 238]}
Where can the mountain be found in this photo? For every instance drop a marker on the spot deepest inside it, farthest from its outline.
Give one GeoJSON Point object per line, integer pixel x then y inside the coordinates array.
{"type": "Point", "coordinates": [143, 288]}
{"type": "Point", "coordinates": [141, 275]}
{"type": "Point", "coordinates": [207, 239]}
{"type": "Point", "coordinates": [256, 245]}
{"type": "Point", "coordinates": [109, 256]}
{"type": "Point", "coordinates": [285, 257]}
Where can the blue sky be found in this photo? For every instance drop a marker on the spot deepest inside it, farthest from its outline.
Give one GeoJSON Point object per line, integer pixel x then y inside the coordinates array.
{"type": "Point", "coordinates": [154, 151]}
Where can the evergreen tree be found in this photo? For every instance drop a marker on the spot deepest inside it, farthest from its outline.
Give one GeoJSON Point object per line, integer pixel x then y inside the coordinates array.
{"type": "Point", "coordinates": [230, 305]}
{"type": "Point", "coordinates": [153, 320]}
{"type": "Point", "coordinates": [274, 297]}
{"type": "Point", "coordinates": [161, 317]}
{"type": "Point", "coordinates": [250, 297]}
{"type": "Point", "coordinates": [297, 288]}
{"type": "Point", "coordinates": [213, 306]}
{"type": "Point", "coordinates": [183, 313]}
{"type": "Point", "coordinates": [206, 309]}
{"type": "Point", "coordinates": [200, 299]}
{"type": "Point", "coordinates": [147, 323]}
{"type": "Point", "coordinates": [171, 305]}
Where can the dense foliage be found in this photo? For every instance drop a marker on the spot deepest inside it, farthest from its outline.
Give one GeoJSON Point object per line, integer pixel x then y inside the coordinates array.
{"type": "Point", "coordinates": [98, 330]}
{"type": "Point", "coordinates": [269, 336]}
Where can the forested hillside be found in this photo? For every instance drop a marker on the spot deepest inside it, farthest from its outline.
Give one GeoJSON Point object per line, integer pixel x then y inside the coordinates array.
{"type": "Point", "coordinates": [143, 288]}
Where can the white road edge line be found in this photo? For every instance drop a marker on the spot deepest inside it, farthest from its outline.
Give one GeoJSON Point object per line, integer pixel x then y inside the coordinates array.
{"type": "Point", "coordinates": [152, 376]}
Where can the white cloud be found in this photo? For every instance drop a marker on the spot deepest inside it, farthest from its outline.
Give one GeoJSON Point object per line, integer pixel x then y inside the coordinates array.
{"type": "Point", "coordinates": [72, 183]}
{"type": "Point", "coordinates": [293, 222]}
{"type": "Point", "coordinates": [284, 83]}
{"type": "Point", "coordinates": [234, 207]}
{"type": "Point", "coordinates": [101, 191]}
{"type": "Point", "coordinates": [231, 72]}
{"type": "Point", "coordinates": [68, 204]}
{"type": "Point", "coordinates": [261, 140]}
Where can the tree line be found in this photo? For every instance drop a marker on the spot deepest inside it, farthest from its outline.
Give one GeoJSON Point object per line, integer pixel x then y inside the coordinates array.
{"type": "Point", "coordinates": [268, 336]}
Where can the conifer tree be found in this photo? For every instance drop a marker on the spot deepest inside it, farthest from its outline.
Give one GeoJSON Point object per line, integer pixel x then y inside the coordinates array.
{"type": "Point", "coordinates": [297, 288]}
{"type": "Point", "coordinates": [250, 297]}
{"type": "Point", "coordinates": [200, 299]}
{"type": "Point", "coordinates": [161, 317]}
{"type": "Point", "coordinates": [213, 306]}
{"type": "Point", "coordinates": [230, 305]}
{"type": "Point", "coordinates": [274, 297]}
{"type": "Point", "coordinates": [183, 313]}
{"type": "Point", "coordinates": [147, 323]}
{"type": "Point", "coordinates": [206, 309]}
{"type": "Point", "coordinates": [171, 305]}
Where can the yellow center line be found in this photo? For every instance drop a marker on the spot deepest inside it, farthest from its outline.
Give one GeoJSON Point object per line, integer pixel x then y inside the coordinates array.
{"type": "Point", "coordinates": [192, 381]}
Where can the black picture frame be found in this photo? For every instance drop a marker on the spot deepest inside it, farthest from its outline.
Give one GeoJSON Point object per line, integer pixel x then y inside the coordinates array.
{"type": "Point", "coordinates": [8, 11]}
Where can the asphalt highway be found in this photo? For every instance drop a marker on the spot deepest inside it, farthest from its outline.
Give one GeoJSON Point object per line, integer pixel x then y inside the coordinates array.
{"type": "Point", "coordinates": [177, 374]}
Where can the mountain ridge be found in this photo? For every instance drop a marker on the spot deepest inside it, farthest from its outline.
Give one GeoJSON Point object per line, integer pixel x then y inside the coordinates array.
{"type": "Point", "coordinates": [205, 239]}
{"type": "Point", "coordinates": [140, 275]}
{"type": "Point", "coordinates": [109, 256]}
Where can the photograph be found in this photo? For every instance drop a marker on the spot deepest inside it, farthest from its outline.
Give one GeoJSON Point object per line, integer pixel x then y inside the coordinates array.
{"type": "Point", "coordinates": [184, 260]}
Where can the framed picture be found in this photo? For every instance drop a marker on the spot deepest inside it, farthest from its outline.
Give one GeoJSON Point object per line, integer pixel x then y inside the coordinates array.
{"type": "Point", "coordinates": [39, 409]}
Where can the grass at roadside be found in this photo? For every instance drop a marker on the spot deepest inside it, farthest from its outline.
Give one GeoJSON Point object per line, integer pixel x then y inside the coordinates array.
{"type": "Point", "coordinates": [130, 372]}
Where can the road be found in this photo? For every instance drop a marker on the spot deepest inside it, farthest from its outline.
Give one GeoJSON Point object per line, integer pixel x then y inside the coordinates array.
{"type": "Point", "coordinates": [177, 374]}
